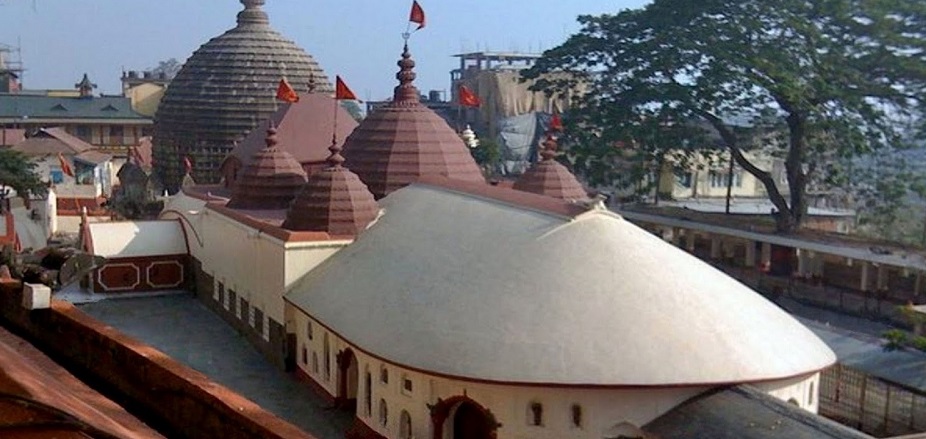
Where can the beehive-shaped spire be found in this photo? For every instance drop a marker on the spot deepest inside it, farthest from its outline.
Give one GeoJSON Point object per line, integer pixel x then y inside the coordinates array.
{"type": "Point", "coordinates": [403, 141]}
{"type": "Point", "coordinates": [549, 177]}
{"type": "Point", "coordinates": [270, 181]}
{"type": "Point", "coordinates": [224, 90]}
{"type": "Point", "coordinates": [334, 200]}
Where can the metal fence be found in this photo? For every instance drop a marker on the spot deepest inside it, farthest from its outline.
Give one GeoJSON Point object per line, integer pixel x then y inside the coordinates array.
{"type": "Point", "coordinates": [870, 404]}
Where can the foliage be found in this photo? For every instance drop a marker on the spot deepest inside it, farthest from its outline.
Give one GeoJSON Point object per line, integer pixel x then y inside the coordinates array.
{"type": "Point", "coordinates": [889, 190]}
{"type": "Point", "coordinates": [169, 68]}
{"type": "Point", "coordinates": [17, 172]}
{"type": "Point", "coordinates": [894, 339]}
{"type": "Point", "coordinates": [488, 155]}
{"type": "Point", "coordinates": [821, 81]}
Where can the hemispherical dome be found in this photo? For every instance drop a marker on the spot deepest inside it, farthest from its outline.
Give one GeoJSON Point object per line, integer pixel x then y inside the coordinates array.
{"type": "Point", "coordinates": [270, 181]}
{"type": "Point", "coordinates": [549, 177]}
{"type": "Point", "coordinates": [223, 92]}
{"type": "Point", "coordinates": [403, 141]}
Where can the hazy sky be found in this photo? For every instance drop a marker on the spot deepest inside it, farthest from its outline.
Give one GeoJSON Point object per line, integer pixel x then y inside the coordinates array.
{"type": "Point", "coordinates": [357, 39]}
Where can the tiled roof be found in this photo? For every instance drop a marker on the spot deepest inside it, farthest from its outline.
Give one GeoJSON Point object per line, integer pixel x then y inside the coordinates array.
{"type": "Point", "coordinates": [403, 141]}
{"type": "Point", "coordinates": [52, 141]}
{"type": "Point", "coordinates": [549, 177]}
{"type": "Point", "coordinates": [270, 181]}
{"type": "Point", "coordinates": [334, 200]}
{"type": "Point", "coordinates": [36, 108]}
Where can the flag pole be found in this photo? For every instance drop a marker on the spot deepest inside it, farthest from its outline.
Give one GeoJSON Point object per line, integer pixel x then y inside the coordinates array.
{"type": "Point", "coordinates": [334, 132]}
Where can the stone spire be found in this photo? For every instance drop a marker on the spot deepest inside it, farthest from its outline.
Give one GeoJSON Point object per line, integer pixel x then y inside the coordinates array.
{"type": "Point", "coordinates": [549, 177]}
{"type": "Point", "coordinates": [334, 200]}
{"type": "Point", "coordinates": [252, 13]}
{"type": "Point", "coordinates": [403, 141]}
{"type": "Point", "coordinates": [406, 92]}
{"type": "Point", "coordinates": [271, 180]}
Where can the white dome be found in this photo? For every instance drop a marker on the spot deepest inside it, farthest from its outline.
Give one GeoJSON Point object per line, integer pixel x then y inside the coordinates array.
{"type": "Point", "coordinates": [469, 286]}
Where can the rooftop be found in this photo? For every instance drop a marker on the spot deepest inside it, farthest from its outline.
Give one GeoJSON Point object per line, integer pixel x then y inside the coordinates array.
{"type": "Point", "coordinates": [436, 254]}
{"type": "Point", "coordinates": [18, 108]}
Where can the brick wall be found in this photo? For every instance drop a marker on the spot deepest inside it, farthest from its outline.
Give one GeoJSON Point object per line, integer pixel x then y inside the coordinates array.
{"type": "Point", "coordinates": [173, 398]}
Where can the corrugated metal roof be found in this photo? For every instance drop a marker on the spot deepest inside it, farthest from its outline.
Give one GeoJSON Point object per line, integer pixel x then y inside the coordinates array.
{"type": "Point", "coordinates": [745, 413]}
{"type": "Point", "coordinates": [17, 107]}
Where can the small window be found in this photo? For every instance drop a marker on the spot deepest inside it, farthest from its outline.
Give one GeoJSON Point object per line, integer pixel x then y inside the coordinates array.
{"type": "Point", "coordinates": [810, 395]}
{"type": "Point", "coordinates": [384, 375]}
{"type": "Point", "coordinates": [315, 362]}
{"type": "Point", "coordinates": [308, 331]}
{"type": "Point", "coordinates": [83, 131]}
{"type": "Point", "coordinates": [684, 180]}
{"type": "Point", "coordinates": [536, 414]}
{"type": "Point", "coordinates": [57, 176]}
{"type": "Point", "coordinates": [383, 413]}
{"type": "Point", "coordinates": [576, 415]}
{"type": "Point", "coordinates": [368, 391]}
{"type": "Point", "coordinates": [305, 356]}
{"type": "Point", "coordinates": [116, 133]}
{"type": "Point", "coordinates": [327, 348]}
{"type": "Point", "coordinates": [407, 385]}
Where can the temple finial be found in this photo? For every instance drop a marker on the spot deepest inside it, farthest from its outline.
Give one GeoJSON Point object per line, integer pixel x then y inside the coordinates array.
{"type": "Point", "coordinates": [549, 148]}
{"type": "Point", "coordinates": [272, 139]}
{"type": "Point", "coordinates": [406, 90]}
{"type": "Point", "coordinates": [252, 13]}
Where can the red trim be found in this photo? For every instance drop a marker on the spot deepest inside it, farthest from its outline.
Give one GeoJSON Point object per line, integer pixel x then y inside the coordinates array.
{"type": "Point", "coordinates": [554, 385]}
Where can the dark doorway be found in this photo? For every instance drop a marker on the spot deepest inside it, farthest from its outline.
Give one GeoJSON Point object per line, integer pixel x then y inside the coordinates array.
{"type": "Point", "coordinates": [348, 377]}
{"type": "Point", "coordinates": [470, 422]}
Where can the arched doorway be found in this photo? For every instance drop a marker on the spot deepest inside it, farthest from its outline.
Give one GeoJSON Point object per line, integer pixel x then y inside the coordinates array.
{"type": "Point", "coordinates": [470, 422]}
{"type": "Point", "coordinates": [348, 377]}
{"type": "Point", "coordinates": [460, 417]}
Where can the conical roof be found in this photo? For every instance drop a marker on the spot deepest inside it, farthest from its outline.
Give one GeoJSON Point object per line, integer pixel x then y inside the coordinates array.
{"type": "Point", "coordinates": [549, 177]}
{"type": "Point", "coordinates": [270, 181]}
{"type": "Point", "coordinates": [334, 200]}
{"type": "Point", "coordinates": [403, 141]}
{"type": "Point", "coordinates": [223, 92]}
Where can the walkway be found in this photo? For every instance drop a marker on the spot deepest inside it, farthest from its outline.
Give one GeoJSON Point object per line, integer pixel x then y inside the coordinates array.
{"type": "Point", "coordinates": [184, 329]}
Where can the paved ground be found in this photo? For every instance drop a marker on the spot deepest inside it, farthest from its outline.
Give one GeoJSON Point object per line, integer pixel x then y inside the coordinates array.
{"type": "Point", "coordinates": [858, 343]}
{"type": "Point", "coordinates": [183, 328]}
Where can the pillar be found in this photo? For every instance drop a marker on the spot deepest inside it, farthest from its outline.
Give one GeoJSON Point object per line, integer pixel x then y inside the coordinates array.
{"type": "Point", "coordinates": [766, 255]}
{"type": "Point", "coordinates": [803, 257]}
{"type": "Point", "coordinates": [882, 277]}
{"type": "Point", "coordinates": [863, 282]}
{"type": "Point", "coordinates": [690, 240]}
{"type": "Point", "coordinates": [917, 283]}
{"type": "Point", "coordinates": [716, 243]}
{"type": "Point", "coordinates": [750, 253]}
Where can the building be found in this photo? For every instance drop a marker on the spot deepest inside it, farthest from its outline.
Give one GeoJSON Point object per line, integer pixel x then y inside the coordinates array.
{"type": "Point", "coordinates": [304, 130]}
{"type": "Point", "coordinates": [145, 90]}
{"type": "Point", "coordinates": [399, 284]}
{"type": "Point", "coordinates": [108, 123]}
{"type": "Point", "coordinates": [224, 90]}
{"type": "Point", "coordinates": [52, 149]}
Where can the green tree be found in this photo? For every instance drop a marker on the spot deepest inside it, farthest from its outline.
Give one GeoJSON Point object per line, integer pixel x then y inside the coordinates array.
{"type": "Point", "coordinates": [17, 173]}
{"type": "Point", "coordinates": [169, 67]}
{"type": "Point", "coordinates": [834, 78]}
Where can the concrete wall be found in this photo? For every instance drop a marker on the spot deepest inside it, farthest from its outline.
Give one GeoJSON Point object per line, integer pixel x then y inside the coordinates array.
{"type": "Point", "coordinates": [178, 401]}
{"type": "Point", "coordinates": [602, 409]}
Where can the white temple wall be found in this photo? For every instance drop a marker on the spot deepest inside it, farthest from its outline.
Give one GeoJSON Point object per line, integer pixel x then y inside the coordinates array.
{"type": "Point", "coordinates": [601, 408]}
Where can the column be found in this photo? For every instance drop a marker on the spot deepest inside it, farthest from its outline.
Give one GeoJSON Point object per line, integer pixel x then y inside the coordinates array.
{"type": "Point", "coordinates": [882, 277]}
{"type": "Point", "coordinates": [766, 255]}
{"type": "Point", "coordinates": [715, 247]}
{"type": "Point", "coordinates": [750, 253]}
{"type": "Point", "coordinates": [690, 240]}
{"type": "Point", "coordinates": [863, 282]}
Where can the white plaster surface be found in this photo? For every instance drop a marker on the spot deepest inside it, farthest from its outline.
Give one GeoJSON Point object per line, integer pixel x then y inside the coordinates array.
{"type": "Point", "coordinates": [125, 239]}
{"type": "Point", "coordinates": [470, 287]}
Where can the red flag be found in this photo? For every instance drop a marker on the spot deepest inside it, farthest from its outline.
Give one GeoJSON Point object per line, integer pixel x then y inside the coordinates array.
{"type": "Point", "coordinates": [187, 165]}
{"type": "Point", "coordinates": [556, 124]}
{"type": "Point", "coordinates": [65, 166]}
{"type": "Point", "coordinates": [468, 98]}
{"type": "Point", "coordinates": [286, 93]}
{"type": "Point", "coordinates": [417, 15]}
{"type": "Point", "coordinates": [341, 91]}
